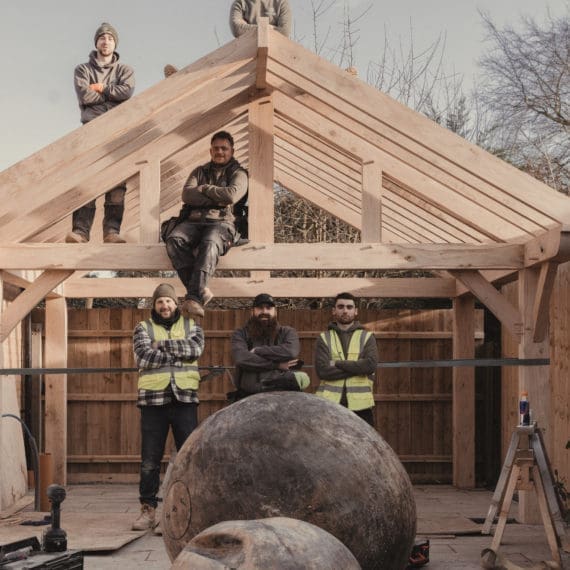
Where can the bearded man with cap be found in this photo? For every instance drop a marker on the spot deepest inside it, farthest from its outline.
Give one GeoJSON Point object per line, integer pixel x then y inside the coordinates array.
{"type": "Point", "coordinates": [101, 84]}
{"type": "Point", "coordinates": [265, 353]}
{"type": "Point", "coordinates": [167, 347]}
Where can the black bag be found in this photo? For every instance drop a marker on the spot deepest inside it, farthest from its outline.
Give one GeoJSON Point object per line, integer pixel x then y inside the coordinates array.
{"type": "Point", "coordinates": [167, 227]}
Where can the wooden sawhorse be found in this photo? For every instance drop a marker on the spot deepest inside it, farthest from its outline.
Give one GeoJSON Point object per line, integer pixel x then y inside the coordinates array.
{"type": "Point", "coordinates": [526, 467]}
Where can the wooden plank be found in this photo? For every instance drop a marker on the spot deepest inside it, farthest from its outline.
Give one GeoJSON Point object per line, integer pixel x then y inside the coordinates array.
{"type": "Point", "coordinates": [262, 52]}
{"type": "Point", "coordinates": [261, 157]}
{"type": "Point", "coordinates": [371, 203]}
{"type": "Point", "coordinates": [56, 387]}
{"type": "Point", "coordinates": [533, 379]}
{"type": "Point", "coordinates": [122, 287]}
{"type": "Point", "coordinates": [463, 394]}
{"type": "Point", "coordinates": [28, 299]}
{"type": "Point", "coordinates": [510, 318]}
{"type": "Point", "coordinates": [541, 307]}
{"type": "Point", "coordinates": [269, 256]}
{"type": "Point", "coordinates": [149, 196]}
{"type": "Point", "coordinates": [23, 279]}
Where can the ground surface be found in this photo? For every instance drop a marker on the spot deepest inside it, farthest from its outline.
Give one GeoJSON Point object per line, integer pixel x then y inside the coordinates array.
{"type": "Point", "coordinates": [444, 516]}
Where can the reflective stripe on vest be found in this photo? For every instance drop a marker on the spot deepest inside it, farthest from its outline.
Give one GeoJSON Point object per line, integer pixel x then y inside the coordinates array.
{"type": "Point", "coordinates": [187, 376]}
{"type": "Point", "coordinates": [358, 388]}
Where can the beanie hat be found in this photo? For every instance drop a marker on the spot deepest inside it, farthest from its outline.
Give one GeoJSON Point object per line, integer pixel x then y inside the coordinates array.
{"type": "Point", "coordinates": [263, 299]}
{"type": "Point", "coordinates": [164, 290]}
{"type": "Point", "coordinates": [106, 28]}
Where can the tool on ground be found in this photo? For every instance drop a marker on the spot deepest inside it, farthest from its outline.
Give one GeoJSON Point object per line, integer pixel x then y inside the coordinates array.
{"type": "Point", "coordinates": [55, 538]}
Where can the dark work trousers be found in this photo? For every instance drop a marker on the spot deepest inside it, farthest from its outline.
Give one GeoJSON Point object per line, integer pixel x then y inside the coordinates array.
{"type": "Point", "coordinates": [194, 250]}
{"type": "Point", "coordinates": [155, 423]}
{"type": "Point", "coordinates": [114, 209]}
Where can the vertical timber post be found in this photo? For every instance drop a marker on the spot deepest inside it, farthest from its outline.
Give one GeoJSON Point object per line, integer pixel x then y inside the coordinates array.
{"type": "Point", "coordinates": [261, 156]}
{"type": "Point", "coordinates": [533, 379]}
{"type": "Point", "coordinates": [56, 387]}
{"type": "Point", "coordinates": [371, 231]}
{"type": "Point", "coordinates": [464, 393]}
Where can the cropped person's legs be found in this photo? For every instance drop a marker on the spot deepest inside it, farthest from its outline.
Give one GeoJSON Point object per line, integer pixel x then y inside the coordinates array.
{"type": "Point", "coordinates": [114, 210]}
{"type": "Point", "coordinates": [82, 221]}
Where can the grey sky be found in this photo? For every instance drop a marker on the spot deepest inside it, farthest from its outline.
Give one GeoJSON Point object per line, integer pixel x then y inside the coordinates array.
{"type": "Point", "coordinates": [42, 41]}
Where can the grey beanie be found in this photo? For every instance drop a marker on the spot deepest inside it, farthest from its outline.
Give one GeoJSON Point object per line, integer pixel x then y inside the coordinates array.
{"type": "Point", "coordinates": [106, 28]}
{"type": "Point", "coordinates": [164, 290]}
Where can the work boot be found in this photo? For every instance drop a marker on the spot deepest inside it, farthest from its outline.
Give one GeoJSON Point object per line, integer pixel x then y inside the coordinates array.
{"type": "Point", "coordinates": [169, 70]}
{"type": "Point", "coordinates": [207, 296]}
{"type": "Point", "coordinates": [113, 238]}
{"type": "Point", "coordinates": [75, 237]}
{"type": "Point", "coordinates": [191, 309]}
{"type": "Point", "coordinates": [146, 519]}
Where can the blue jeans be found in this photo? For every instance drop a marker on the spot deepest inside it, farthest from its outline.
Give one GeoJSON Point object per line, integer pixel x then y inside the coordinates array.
{"type": "Point", "coordinates": [155, 423]}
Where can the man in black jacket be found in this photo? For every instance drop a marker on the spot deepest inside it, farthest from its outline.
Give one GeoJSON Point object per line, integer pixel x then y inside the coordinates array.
{"type": "Point", "coordinates": [266, 353]}
{"type": "Point", "coordinates": [206, 229]}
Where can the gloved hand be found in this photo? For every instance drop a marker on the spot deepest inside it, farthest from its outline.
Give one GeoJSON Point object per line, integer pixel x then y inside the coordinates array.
{"type": "Point", "coordinates": [97, 87]}
{"type": "Point", "coordinates": [282, 382]}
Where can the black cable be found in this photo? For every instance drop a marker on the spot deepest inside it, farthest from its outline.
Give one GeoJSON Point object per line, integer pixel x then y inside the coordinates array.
{"type": "Point", "coordinates": [36, 459]}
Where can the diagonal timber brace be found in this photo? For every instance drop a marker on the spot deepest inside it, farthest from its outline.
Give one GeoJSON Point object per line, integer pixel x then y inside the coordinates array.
{"type": "Point", "coordinates": [29, 298]}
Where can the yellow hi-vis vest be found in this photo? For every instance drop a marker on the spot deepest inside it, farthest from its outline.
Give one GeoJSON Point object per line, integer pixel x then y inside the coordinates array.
{"type": "Point", "coordinates": [187, 376]}
{"type": "Point", "coordinates": [358, 388]}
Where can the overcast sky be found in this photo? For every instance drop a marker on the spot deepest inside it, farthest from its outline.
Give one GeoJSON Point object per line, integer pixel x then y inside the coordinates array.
{"type": "Point", "coordinates": [43, 40]}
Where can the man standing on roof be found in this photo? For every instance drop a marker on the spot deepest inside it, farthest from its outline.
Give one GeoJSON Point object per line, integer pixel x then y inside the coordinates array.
{"type": "Point", "coordinates": [265, 353]}
{"type": "Point", "coordinates": [206, 229]}
{"type": "Point", "coordinates": [346, 357]}
{"type": "Point", "coordinates": [101, 84]}
{"type": "Point", "coordinates": [245, 14]}
{"type": "Point", "coordinates": [167, 347]}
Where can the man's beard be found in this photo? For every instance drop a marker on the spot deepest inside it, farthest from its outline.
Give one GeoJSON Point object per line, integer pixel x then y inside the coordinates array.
{"type": "Point", "coordinates": [262, 328]}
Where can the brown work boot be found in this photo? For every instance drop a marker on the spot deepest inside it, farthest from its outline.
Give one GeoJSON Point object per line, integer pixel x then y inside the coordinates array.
{"type": "Point", "coordinates": [75, 237]}
{"type": "Point", "coordinates": [146, 519]}
{"type": "Point", "coordinates": [207, 296]}
{"type": "Point", "coordinates": [191, 309]}
{"type": "Point", "coordinates": [169, 70]}
{"type": "Point", "coordinates": [113, 238]}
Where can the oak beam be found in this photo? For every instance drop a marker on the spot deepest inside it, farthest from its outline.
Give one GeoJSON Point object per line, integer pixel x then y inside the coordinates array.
{"type": "Point", "coordinates": [246, 287]}
{"type": "Point", "coordinates": [541, 305]}
{"type": "Point", "coordinates": [509, 317]}
{"type": "Point", "coordinates": [56, 387]}
{"type": "Point", "coordinates": [534, 379]}
{"type": "Point", "coordinates": [29, 298]}
{"type": "Point", "coordinates": [464, 394]}
{"type": "Point", "coordinates": [262, 52]}
{"type": "Point", "coordinates": [269, 256]}
{"type": "Point", "coordinates": [371, 231]}
{"type": "Point", "coordinates": [149, 201]}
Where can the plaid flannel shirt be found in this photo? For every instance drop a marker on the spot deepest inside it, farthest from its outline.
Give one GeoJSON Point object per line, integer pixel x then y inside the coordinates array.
{"type": "Point", "coordinates": [170, 352]}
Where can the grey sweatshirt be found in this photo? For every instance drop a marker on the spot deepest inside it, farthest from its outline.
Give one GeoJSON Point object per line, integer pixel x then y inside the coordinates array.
{"type": "Point", "coordinates": [118, 79]}
{"type": "Point", "coordinates": [245, 14]}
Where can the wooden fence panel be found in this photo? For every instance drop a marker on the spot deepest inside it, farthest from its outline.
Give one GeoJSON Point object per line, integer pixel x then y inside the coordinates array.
{"type": "Point", "coordinates": [413, 411]}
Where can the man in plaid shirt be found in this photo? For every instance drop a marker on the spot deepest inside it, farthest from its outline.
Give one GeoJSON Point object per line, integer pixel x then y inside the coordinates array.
{"type": "Point", "coordinates": [167, 347]}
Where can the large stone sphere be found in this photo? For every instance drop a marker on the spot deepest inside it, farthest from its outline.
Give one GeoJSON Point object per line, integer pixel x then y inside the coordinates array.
{"type": "Point", "coordinates": [278, 542]}
{"type": "Point", "coordinates": [289, 454]}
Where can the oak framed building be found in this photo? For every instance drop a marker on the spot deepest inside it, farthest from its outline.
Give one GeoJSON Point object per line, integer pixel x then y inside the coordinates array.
{"type": "Point", "coordinates": [422, 197]}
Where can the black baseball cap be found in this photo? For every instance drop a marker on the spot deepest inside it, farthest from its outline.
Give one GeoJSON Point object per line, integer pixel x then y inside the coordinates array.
{"type": "Point", "coordinates": [263, 299]}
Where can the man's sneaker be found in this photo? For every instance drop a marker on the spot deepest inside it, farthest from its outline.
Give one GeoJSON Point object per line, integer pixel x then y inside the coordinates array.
{"type": "Point", "coordinates": [113, 238]}
{"type": "Point", "coordinates": [207, 296]}
{"type": "Point", "coordinates": [169, 70]}
{"type": "Point", "coordinates": [191, 309]}
{"type": "Point", "coordinates": [146, 519]}
{"type": "Point", "coordinates": [75, 237]}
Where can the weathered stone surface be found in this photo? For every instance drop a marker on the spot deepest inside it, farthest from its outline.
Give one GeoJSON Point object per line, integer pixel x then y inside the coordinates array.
{"type": "Point", "coordinates": [278, 542]}
{"type": "Point", "coordinates": [288, 454]}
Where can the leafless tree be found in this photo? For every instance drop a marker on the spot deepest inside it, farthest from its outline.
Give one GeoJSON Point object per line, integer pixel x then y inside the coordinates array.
{"type": "Point", "coordinates": [527, 93]}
